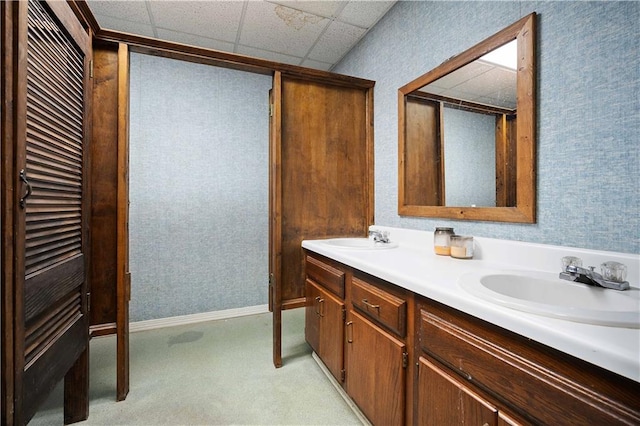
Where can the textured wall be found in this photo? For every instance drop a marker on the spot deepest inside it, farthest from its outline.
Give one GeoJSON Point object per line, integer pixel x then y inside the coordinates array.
{"type": "Point", "coordinates": [588, 111]}
{"type": "Point", "coordinates": [198, 188]}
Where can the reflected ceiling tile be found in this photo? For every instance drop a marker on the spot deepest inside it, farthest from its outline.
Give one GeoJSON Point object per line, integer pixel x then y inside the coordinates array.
{"type": "Point", "coordinates": [322, 8]}
{"type": "Point", "coordinates": [194, 40]}
{"type": "Point", "coordinates": [336, 42]}
{"type": "Point", "coordinates": [217, 20]}
{"type": "Point", "coordinates": [135, 11]}
{"type": "Point", "coordinates": [280, 29]}
{"type": "Point", "coordinates": [364, 13]}
{"type": "Point", "coordinates": [269, 56]}
{"type": "Point", "coordinates": [109, 23]}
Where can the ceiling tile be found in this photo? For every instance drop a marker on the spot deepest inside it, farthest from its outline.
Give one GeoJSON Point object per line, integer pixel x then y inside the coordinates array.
{"type": "Point", "coordinates": [310, 63]}
{"type": "Point", "coordinates": [212, 19]}
{"type": "Point", "coordinates": [135, 11]}
{"type": "Point", "coordinates": [280, 29]}
{"type": "Point", "coordinates": [121, 25]}
{"type": "Point", "coordinates": [194, 40]}
{"type": "Point", "coordinates": [336, 42]}
{"type": "Point", "coordinates": [364, 13]}
{"type": "Point", "coordinates": [269, 56]}
{"type": "Point", "coordinates": [326, 9]}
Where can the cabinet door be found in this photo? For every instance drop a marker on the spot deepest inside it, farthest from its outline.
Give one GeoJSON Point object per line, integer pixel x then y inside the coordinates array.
{"type": "Point", "coordinates": [375, 372]}
{"type": "Point", "coordinates": [443, 400]}
{"type": "Point", "coordinates": [324, 327]}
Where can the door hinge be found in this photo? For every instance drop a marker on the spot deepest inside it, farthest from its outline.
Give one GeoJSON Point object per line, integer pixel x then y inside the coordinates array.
{"type": "Point", "coordinates": [405, 359]}
{"type": "Point", "coordinates": [271, 279]}
{"type": "Point", "coordinates": [342, 375]}
{"type": "Point", "coordinates": [344, 314]}
{"type": "Point", "coordinates": [91, 68]}
{"type": "Point", "coordinates": [270, 110]}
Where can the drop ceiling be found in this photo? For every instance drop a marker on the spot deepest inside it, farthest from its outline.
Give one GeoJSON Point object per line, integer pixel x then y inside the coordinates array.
{"type": "Point", "coordinates": [313, 34]}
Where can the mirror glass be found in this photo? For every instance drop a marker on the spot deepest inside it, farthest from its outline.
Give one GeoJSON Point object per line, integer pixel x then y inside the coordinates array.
{"type": "Point", "coordinates": [466, 145]}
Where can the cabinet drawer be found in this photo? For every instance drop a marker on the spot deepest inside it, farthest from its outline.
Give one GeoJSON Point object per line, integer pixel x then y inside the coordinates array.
{"type": "Point", "coordinates": [379, 305]}
{"type": "Point", "coordinates": [326, 275]}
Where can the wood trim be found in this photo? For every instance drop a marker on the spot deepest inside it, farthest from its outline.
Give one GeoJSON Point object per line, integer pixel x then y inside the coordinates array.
{"type": "Point", "coordinates": [275, 215]}
{"type": "Point", "coordinates": [370, 201]}
{"type": "Point", "coordinates": [457, 61]}
{"type": "Point", "coordinates": [151, 46]}
{"type": "Point", "coordinates": [102, 329]}
{"type": "Point", "coordinates": [19, 141]}
{"type": "Point", "coordinates": [84, 14]}
{"type": "Point", "coordinates": [123, 277]}
{"type": "Point", "coordinates": [8, 11]}
{"type": "Point", "coordinates": [294, 303]}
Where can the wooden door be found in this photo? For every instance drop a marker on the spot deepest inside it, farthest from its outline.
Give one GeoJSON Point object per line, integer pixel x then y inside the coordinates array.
{"type": "Point", "coordinates": [375, 371]}
{"type": "Point", "coordinates": [321, 177]}
{"type": "Point", "coordinates": [443, 400]}
{"type": "Point", "coordinates": [45, 321]}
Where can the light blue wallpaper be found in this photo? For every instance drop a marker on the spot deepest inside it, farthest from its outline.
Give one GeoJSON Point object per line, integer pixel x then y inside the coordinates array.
{"type": "Point", "coordinates": [469, 158]}
{"type": "Point", "coordinates": [198, 188]}
{"type": "Point", "coordinates": [588, 111]}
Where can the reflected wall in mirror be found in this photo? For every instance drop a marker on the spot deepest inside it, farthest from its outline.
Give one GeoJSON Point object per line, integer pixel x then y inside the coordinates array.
{"type": "Point", "coordinates": [467, 133]}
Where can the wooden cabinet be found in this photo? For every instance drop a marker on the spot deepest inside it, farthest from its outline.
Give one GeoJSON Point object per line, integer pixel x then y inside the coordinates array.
{"type": "Point", "coordinates": [484, 369]}
{"type": "Point", "coordinates": [376, 351]}
{"type": "Point", "coordinates": [410, 360]}
{"type": "Point", "coordinates": [375, 371]}
{"type": "Point", "coordinates": [324, 327]}
{"type": "Point", "coordinates": [325, 313]}
{"type": "Point", "coordinates": [444, 400]}
{"type": "Point", "coordinates": [372, 358]}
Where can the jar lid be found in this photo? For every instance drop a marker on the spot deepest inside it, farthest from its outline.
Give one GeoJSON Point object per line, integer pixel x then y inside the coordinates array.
{"type": "Point", "coordinates": [444, 229]}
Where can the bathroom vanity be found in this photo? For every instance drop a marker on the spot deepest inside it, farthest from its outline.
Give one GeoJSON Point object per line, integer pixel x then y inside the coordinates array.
{"type": "Point", "coordinates": [410, 345]}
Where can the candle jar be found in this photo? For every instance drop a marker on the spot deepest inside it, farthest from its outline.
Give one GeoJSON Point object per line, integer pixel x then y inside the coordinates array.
{"type": "Point", "coordinates": [442, 242]}
{"type": "Point", "coordinates": [461, 247]}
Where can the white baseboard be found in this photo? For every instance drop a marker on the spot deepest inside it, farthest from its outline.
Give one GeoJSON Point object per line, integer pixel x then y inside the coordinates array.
{"type": "Point", "coordinates": [196, 318]}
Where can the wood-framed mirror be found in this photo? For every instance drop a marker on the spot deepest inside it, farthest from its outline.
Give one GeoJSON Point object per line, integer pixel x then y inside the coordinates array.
{"type": "Point", "coordinates": [467, 134]}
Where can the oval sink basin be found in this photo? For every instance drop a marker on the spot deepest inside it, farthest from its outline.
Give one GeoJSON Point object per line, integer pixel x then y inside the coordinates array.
{"type": "Point", "coordinates": [548, 295]}
{"type": "Point", "coordinates": [359, 244]}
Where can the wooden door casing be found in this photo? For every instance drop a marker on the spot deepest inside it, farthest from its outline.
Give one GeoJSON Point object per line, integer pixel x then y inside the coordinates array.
{"type": "Point", "coordinates": [44, 147]}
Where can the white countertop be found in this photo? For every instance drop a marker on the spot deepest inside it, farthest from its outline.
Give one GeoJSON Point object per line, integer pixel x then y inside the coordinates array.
{"type": "Point", "coordinates": [414, 266]}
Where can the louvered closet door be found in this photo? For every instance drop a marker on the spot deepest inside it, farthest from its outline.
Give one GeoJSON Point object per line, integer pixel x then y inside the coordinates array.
{"type": "Point", "coordinates": [55, 303]}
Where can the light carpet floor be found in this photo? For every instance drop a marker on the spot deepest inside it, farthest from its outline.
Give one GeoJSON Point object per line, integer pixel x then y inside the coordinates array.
{"type": "Point", "coordinates": [213, 373]}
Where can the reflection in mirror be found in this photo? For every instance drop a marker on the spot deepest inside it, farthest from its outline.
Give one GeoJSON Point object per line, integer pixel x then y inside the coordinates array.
{"type": "Point", "coordinates": [466, 129]}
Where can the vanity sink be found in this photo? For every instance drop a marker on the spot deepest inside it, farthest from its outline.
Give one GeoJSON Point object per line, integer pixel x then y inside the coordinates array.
{"type": "Point", "coordinates": [359, 244]}
{"type": "Point", "coordinates": [545, 294]}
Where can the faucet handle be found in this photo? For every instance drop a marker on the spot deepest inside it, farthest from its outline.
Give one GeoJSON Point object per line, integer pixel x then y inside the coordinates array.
{"type": "Point", "coordinates": [570, 261]}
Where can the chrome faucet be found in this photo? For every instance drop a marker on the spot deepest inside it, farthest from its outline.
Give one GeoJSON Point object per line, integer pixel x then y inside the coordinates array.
{"type": "Point", "coordinates": [379, 236]}
{"type": "Point", "coordinates": [590, 277]}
